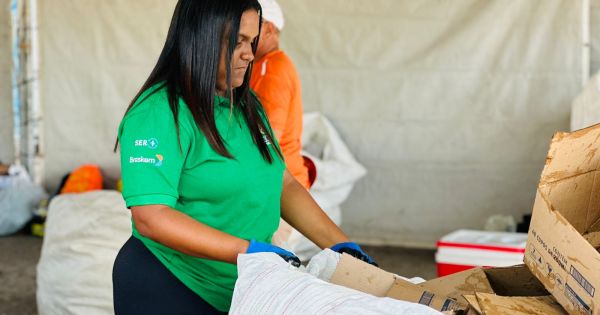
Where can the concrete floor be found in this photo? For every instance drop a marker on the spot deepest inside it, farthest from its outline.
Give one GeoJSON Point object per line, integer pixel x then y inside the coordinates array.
{"type": "Point", "coordinates": [19, 255]}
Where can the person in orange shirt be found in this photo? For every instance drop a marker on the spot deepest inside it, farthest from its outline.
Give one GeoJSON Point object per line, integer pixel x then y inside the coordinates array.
{"type": "Point", "coordinates": [277, 85]}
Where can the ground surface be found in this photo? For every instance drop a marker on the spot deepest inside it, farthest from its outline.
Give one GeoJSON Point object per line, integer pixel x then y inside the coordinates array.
{"type": "Point", "coordinates": [19, 255]}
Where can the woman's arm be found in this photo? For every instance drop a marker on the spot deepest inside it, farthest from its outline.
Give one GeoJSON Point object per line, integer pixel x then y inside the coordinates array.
{"type": "Point", "coordinates": [299, 209]}
{"type": "Point", "coordinates": [180, 232]}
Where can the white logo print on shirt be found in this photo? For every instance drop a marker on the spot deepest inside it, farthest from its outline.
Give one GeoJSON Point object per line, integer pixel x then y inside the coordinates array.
{"type": "Point", "coordinates": [151, 143]}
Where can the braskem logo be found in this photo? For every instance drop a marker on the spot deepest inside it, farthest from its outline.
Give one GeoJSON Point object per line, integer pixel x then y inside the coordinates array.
{"type": "Point", "coordinates": [160, 160]}
{"type": "Point", "coordinates": [141, 159]}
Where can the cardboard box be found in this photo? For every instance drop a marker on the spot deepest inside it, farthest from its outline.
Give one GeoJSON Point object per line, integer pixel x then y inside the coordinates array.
{"type": "Point", "coordinates": [489, 304]}
{"type": "Point", "coordinates": [566, 221]}
{"type": "Point", "coordinates": [507, 290]}
{"type": "Point", "coordinates": [503, 290]}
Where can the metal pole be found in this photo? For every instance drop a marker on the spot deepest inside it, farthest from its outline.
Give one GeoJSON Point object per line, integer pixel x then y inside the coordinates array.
{"type": "Point", "coordinates": [586, 42]}
{"type": "Point", "coordinates": [16, 70]}
{"type": "Point", "coordinates": [34, 110]}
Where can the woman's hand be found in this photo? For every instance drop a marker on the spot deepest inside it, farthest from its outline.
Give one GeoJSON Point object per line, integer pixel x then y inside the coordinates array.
{"type": "Point", "coordinates": [354, 250]}
{"type": "Point", "coordinates": [259, 247]}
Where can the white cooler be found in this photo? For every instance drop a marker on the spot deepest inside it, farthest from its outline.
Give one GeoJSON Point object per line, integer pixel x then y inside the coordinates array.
{"type": "Point", "coordinates": [466, 249]}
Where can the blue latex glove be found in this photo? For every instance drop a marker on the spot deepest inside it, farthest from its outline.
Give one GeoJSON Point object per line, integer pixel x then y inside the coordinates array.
{"type": "Point", "coordinates": [259, 247]}
{"type": "Point", "coordinates": [354, 250]}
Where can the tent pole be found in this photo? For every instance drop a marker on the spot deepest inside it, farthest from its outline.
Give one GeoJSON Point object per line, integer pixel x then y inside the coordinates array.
{"type": "Point", "coordinates": [34, 110]}
{"type": "Point", "coordinates": [16, 70]}
{"type": "Point", "coordinates": [585, 36]}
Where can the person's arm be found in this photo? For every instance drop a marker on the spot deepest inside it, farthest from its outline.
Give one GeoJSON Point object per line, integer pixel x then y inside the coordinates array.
{"type": "Point", "coordinates": [300, 210]}
{"type": "Point", "coordinates": [180, 232]}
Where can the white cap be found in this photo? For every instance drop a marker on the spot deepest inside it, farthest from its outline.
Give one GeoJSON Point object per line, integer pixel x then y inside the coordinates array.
{"type": "Point", "coordinates": [271, 11]}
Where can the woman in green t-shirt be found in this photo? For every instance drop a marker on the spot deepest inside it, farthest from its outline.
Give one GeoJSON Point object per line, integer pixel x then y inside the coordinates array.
{"type": "Point", "coordinates": [202, 173]}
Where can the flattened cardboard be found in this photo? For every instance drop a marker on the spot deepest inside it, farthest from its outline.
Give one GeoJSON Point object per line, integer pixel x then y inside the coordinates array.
{"type": "Point", "coordinates": [567, 206]}
{"type": "Point", "coordinates": [358, 275]}
{"type": "Point", "coordinates": [404, 290]}
{"type": "Point", "coordinates": [473, 303]}
{"type": "Point", "coordinates": [492, 304]}
{"type": "Point", "coordinates": [355, 274]}
{"type": "Point", "coordinates": [458, 284]}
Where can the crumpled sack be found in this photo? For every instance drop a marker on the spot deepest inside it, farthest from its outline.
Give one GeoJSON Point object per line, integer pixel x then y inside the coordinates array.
{"type": "Point", "coordinates": [268, 285]}
{"type": "Point", "coordinates": [19, 197]}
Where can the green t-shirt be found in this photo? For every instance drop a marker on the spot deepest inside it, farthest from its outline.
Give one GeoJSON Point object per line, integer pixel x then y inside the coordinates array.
{"type": "Point", "coordinates": [239, 196]}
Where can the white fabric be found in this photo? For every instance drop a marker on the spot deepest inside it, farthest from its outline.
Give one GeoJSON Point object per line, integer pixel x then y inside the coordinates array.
{"type": "Point", "coordinates": [337, 172]}
{"type": "Point", "coordinates": [586, 107]}
{"type": "Point", "coordinates": [268, 285]}
{"type": "Point", "coordinates": [271, 11]}
{"type": "Point", "coordinates": [323, 264]}
{"type": "Point", "coordinates": [448, 104]}
{"type": "Point", "coordinates": [83, 235]}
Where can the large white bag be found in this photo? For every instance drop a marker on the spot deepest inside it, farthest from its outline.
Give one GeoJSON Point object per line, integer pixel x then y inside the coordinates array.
{"type": "Point", "coordinates": [19, 196]}
{"type": "Point", "coordinates": [268, 285]}
{"type": "Point", "coordinates": [83, 235]}
{"type": "Point", "coordinates": [337, 171]}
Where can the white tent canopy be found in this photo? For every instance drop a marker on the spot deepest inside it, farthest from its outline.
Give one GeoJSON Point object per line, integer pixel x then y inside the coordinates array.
{"type": "Point", "coordinates": [449, 104]}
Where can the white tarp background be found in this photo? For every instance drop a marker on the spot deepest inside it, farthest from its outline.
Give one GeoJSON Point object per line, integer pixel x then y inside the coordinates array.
{"type": "Point", "coordinates": [595, 30]}
{"type": "Point", "coordinates": [449, 104]}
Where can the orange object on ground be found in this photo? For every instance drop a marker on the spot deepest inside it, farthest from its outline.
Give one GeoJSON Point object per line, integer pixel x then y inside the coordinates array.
{"type": "Point", "coordinates": [85, 178]}
{"type": "Point", "coordinates": [276, 82]}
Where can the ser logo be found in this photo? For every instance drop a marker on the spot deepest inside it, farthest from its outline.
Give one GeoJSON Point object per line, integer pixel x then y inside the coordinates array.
{"type": "Point", "coordinates": [151, 143]}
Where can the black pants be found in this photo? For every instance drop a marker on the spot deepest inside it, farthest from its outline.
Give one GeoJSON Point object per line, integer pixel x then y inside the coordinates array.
{"type": "Point", "coordinates": [143, 285]}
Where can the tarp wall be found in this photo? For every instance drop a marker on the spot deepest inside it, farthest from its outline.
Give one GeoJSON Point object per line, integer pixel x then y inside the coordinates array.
{"type": "Point", "coordinates": [6, 125]}
{"type": "Point", "coordinates": [449, 104]}
{"type": "Point", "coordinates": [595, 30]}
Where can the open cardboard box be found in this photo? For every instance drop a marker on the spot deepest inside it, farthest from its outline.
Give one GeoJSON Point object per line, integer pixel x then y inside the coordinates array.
{"type": "Point", "coordinates": [502, 290]}
{"type": "Point", "coordinates": [507, 290]}
{"type": "Point", "coordinates": [562, 247]}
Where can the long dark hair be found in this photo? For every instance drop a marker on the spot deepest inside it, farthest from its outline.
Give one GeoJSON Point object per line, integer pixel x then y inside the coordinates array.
{"type": "Point", "coordinates": [188, 67]}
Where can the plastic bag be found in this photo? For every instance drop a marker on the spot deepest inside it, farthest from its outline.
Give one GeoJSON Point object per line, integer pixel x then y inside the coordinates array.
{"type": "Point", "coordinates": [19, 196]}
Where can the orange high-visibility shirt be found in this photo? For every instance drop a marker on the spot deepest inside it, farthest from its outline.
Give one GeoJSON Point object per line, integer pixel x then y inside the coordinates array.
{"type": "Point", "coordinates": [276, 82]}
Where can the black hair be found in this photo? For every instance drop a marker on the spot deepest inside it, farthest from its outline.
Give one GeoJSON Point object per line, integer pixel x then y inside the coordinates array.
{"type": "Point", "coordinates": [188, 66]}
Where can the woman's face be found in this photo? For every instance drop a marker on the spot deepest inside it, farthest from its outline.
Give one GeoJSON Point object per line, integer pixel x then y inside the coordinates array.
{"type": "Point", "coordinates": [242, 53]}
